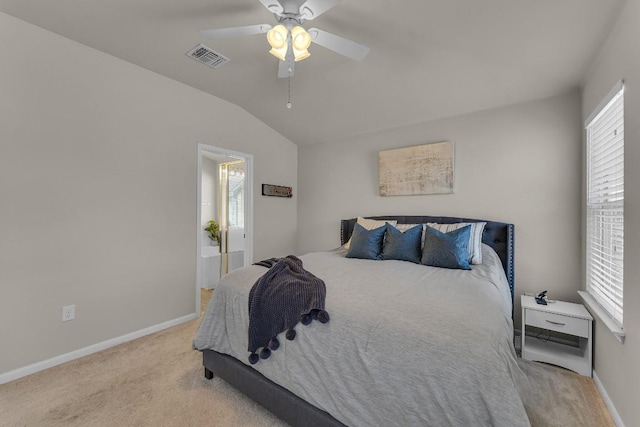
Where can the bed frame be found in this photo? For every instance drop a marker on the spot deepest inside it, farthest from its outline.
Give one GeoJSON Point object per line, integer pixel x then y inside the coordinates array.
{"type": "Point", "coordinates": [289, 407]}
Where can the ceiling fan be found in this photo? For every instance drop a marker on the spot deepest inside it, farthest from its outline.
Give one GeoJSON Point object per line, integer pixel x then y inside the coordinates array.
{"type": "Point", "coordinates": [288, 39]}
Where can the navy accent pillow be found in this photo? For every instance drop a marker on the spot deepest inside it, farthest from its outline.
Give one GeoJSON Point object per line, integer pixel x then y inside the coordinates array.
{"type": "Point", "coordinates": [366, 244]}
{"type": "Point", "coordinates": [448, 250]}
{"type": "Point", "coordinates": [402, 246]}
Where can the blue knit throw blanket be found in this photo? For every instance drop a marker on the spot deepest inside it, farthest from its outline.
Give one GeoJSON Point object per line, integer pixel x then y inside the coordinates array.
{"type": "Point", "coordinates": [282, 297]}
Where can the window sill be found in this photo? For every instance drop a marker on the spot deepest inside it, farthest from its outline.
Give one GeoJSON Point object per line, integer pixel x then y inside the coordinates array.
{"type": "Point", "coordinates": [595, 308]}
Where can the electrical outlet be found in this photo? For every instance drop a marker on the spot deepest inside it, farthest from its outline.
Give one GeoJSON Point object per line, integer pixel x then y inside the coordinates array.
{"type": "Point", "coordinates": [68, 312]}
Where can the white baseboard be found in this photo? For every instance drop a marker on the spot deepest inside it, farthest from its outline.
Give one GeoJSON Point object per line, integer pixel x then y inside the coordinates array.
{"type": "Point", "coordinates": [76, 354]}
{"type": "Point", "coordinates": [607, 401]}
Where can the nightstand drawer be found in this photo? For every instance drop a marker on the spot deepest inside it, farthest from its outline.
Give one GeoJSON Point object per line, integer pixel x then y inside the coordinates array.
{"type": "Point", "coordinates": [558, 323]}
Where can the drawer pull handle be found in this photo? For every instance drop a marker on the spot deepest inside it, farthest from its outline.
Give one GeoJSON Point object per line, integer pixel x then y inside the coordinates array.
{"type": "Point", "coordinates": [555, 323]}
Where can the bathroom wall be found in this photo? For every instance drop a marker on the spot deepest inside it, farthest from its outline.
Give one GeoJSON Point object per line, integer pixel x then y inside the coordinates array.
{"type": "Point", "coordinates": [209, 196]}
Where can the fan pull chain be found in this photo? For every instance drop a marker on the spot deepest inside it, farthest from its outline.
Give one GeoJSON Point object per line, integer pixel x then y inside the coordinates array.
{"type": "Point", "coordinates": [289, 90]}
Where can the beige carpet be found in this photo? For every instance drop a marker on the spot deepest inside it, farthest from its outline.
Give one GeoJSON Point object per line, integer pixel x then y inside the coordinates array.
{"type": "Point", "coordinates": [158, 381]}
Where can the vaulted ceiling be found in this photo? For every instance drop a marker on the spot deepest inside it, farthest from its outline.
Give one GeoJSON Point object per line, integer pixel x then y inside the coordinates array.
{"type": "Point", "coordinates": [429, 58]}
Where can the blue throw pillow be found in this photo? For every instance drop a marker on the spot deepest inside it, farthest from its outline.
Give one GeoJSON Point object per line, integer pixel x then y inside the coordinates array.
{"type": "Point", "coordinates": [402, 246]}
{"type": "Point", "coordinates": [448, 250]}
{"type": "Point", "coordinates": [366, 244]}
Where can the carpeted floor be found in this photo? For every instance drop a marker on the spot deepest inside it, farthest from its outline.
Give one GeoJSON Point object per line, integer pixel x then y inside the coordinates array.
{"type": "Point", "coordinates": [158, 380]}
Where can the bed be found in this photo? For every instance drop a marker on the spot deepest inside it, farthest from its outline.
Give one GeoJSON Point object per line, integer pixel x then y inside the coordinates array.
{"type": "Point", "coordinates": [407, 344]}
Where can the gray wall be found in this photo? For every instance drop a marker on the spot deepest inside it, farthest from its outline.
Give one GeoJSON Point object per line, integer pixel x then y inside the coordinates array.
{"type": "Point", "coordinates": [518, 164]}
{"type": "Point", "coordinates": [618, 365]}
{"type": "Point", "coordinates": [98, 164]}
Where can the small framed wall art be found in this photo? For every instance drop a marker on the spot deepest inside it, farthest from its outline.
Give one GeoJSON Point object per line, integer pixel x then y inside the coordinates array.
{"type": "Point", "coordinates": [276, 190]}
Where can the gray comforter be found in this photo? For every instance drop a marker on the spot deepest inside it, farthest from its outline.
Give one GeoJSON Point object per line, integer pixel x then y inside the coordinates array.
{"type": "Point", "coordinates": [406, 345]}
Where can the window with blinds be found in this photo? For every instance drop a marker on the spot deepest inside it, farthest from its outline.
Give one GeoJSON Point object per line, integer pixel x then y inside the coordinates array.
{"type": "Point", "coordinates": [605, 204]}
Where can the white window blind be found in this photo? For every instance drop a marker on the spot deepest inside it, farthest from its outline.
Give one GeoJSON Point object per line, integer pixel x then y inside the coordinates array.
{"type": "Point", "coordinates": [605, 204]}
{"type": "Point", "coordinates": [236, 196]}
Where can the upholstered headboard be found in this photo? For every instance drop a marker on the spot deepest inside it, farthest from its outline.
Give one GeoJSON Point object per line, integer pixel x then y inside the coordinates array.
{"type": "Point", "coordinates": [498, 235]}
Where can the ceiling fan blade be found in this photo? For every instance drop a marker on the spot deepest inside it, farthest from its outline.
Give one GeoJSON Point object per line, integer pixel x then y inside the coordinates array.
{"type": "Point", "coordinates": [313, 8]}
{"type": "Point", "coordinates": [273, 6]}
{"type": "Point", "coordinates": [227, 33]}
{"type": "Point", "coordinates": [338, 44]}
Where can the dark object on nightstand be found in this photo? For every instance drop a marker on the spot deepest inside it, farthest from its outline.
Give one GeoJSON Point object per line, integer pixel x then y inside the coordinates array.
{"type": "Point", "coordinates": [541, 298]}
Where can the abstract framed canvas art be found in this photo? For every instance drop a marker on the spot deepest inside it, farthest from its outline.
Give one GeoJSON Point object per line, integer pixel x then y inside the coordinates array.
{"type": "Point", "coordinates": [422, 169]}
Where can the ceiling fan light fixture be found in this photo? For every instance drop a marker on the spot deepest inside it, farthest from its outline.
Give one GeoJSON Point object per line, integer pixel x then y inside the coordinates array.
{"type": "Point", "coordinates": [277, 38]}
{"type": "Point", "coordinates": [281, 54]}
{"type": "Point", "coordinates": [288, 40]}
{"type": "Point", "coordinates": [299, 56]}
{"type": "Point", "coordinates": [300, 41]}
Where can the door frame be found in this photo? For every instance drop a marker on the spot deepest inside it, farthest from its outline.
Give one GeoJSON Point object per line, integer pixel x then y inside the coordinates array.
{"type": "Point", "coordinates": [248, 204]}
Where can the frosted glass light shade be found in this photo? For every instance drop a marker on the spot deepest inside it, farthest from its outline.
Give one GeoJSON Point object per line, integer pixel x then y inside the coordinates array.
{"type": "Point", "coordinates": [300, 41]}
{"type": "Point", "coordinates": [277, 38]}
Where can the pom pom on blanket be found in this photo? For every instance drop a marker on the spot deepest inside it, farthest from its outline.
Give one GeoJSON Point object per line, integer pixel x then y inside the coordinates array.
{"type": "Point", "coordinates": [253, 358]}
{"type": "Point", "coordinates": [265, 353]}
{"type": "Point", "coordinates": [305, 319]}
{"type": "Point", "coordinates": [323, 316]}
{"type": "Point", "coordinates": [274, 344]}
{"type": "Point", "coordinates": [291, 334]}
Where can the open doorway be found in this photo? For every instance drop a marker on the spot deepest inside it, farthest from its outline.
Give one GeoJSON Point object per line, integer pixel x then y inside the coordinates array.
{"type": "Point", "coordinates": [224, 195]}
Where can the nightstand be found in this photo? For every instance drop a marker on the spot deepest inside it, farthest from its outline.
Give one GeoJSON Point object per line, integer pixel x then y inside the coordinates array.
{"type": "Point", "coordinates": [564, 317]}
